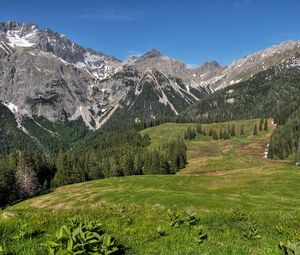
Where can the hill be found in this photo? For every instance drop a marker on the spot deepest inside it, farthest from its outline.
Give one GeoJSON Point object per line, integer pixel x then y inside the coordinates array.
{"type": "Point", "coordinates": [246, 203]}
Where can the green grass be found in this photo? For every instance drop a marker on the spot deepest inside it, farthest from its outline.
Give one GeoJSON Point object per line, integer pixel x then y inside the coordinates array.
{"type": "Point", "coordinates": [228, 184]}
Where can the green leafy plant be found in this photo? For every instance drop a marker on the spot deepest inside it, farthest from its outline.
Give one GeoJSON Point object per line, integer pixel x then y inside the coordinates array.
{"type": "Point", "coordinates": [82, 237]}
{"type": "Point", "coordinates": [240, 215]}
{"type": "Point", "coordinates": [174, 219]}
{"type": "Point", "coordinates": [190, 217]}
{"type": "Point", "coordinates": [200, 235]}
{"type": "Point", "coordinates": [250, 231]}
{"type": "Point", "coordinates": [289, 248]}
{"type": "Point", "coordinates": [161, 231]}
{"type": "Point", "coordinates": [22, 232]}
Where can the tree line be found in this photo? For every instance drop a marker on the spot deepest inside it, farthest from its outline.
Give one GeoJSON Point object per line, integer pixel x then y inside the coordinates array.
{"type": "Point", "coordinates": [125, 153]}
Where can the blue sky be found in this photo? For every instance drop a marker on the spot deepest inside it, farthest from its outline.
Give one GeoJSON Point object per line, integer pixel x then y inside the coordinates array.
{"type": "Point", "coordinates": [189, 30]}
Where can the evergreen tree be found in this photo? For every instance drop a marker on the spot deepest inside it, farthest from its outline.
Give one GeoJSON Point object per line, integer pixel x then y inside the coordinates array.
{"type": "Point", "coordinates": [242, 131]}
{"type": "Point", "coordinates": [255, 130]}
{"type": "Point", "coordinates": [232, 132]}
{"type": "Point", "coordinates": [215, 135]}
{"type": "Point", "coordinates": [199, 129]}
{"type": "Point", "coordinates": [228, 128]}
{"type": "Point", "coordinates": [27, 183]}
{"type": "Point", "coordinates": [260, 126]}
{"type": "Point", "coordinates": [226, 135]}
{"type": "Point", "coordinates": [221, 133]}
{"type": "Point", "coordinates": [7, 183]}
{"type": "Point", "coordinates": [63, 170]}
{"type": "Point", "coordinates": [266, 125]}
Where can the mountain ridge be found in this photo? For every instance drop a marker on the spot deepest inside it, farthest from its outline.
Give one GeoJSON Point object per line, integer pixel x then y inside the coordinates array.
{"type": "Point", "coordinates": [45, 74]}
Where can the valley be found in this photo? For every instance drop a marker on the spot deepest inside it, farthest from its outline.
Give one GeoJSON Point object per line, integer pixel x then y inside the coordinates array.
{"type": "Point", "coordinates": [228, 184]}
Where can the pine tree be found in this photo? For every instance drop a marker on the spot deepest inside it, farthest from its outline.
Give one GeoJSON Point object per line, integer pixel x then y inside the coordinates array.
{"type": "Point", "coordinates": [26, 177]}
{"type": "Point", "coordinates": [266, 125]}
{"type": "Point", "coordinates": [232, 133]}
{"type": "Point", "coordinates": [63, 170]}
{"type": "Point", "coordinates": [242, 131]}
{"type": "Point", "coordinates": [199, 129]}
{"type": "Point", "coordinates": [215, 135]}
{"type": "Point", "coordinates": [255, 130]}
{"type": "Point", "coordinates": [260, 126]}
{"type": "Point", "coordinates": [7, 183]}
{"type": "Point", "coordinates": [226, 134]}
{"type": "Point", "coordinates": [221, 133]}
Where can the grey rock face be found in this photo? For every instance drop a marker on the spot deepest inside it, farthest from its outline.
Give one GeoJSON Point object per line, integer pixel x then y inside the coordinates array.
{"type": "Point", "coordinates": [43, 73]}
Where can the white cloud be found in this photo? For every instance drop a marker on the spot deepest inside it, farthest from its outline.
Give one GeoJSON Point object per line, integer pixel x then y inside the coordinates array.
{"type": "Point", "coordinates": [113, 15]}
{"type": "Point", "coordinates": [241, 4]}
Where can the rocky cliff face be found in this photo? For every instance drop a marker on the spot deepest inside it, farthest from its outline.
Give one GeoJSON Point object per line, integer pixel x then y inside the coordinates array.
{"type": "Point", "coordinates": [43, 73]}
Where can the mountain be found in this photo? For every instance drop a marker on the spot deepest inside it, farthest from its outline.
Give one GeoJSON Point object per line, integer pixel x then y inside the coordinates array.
{"type": "Point", "coordinates": [271, 93]}
{"type": "Point", "coordinates": [44, 74]}
{"type": "Point", "coordinates": [46, 79]}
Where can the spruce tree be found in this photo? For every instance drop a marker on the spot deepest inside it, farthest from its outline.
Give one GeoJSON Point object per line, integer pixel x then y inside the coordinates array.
{"type": "Point", "coordinates": [242, 131]}
{"type": "Point", "coordinates": [221, 133]}
{"type": "Point", "coordinates": [260, 126]}
{"type": "Point", "coordinates": [232, 130]}
{"type": "Point", "coordinates": [266, 125]}
{"type": "Point", "coordinates": [255, 130]}
{"type": "Point", "coordinates": [215, 135]}
{"type": "Point", "coordinates": [199, 129]}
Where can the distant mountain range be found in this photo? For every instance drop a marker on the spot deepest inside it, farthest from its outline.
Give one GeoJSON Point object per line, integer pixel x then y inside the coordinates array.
{"type": "Point", "coordinates": [46, 76]}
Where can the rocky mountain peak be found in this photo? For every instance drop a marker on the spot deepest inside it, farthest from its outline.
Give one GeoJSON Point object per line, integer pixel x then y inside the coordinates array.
{"type": "Point", "coordinates": [152, 54]}
{"type": "Point", "coordinates": [210, 66]}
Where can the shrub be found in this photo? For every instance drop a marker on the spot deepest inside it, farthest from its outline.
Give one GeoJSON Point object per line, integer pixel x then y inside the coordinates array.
{"type": "Point", "coordinates": [174, 219]}
{"type": "Point", "coordinates": [190, 218]}
{"type": "Point", "coordinates": [200, 235]}
{"type": "Point", "coordinates": [82, 237]}
{"type": "Point", "coordinates": [250, 231]}
{"type": "Point", "coordinates": [161, 231]}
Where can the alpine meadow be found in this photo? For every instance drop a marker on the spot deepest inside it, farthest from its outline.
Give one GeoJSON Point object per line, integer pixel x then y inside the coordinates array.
{"type": "Point", "coordinates": [137, 152]}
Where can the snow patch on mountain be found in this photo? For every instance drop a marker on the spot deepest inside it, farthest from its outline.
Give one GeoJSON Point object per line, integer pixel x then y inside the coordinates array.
{"type": "Point", "coordinates": [16, 40]}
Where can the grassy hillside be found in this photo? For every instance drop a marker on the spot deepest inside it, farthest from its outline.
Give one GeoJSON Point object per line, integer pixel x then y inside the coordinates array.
{"type": "Point", "coordinates": [246, 204]}
{"type": "Point", "coordinates": [208, 156]}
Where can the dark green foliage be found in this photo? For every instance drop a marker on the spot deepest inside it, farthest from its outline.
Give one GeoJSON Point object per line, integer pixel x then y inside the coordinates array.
{"type": "Point", "coordinates": [199, 129]}
{"type": "Point", "coordinates": [242, 133]}
{"type": "Point", "coordinates": [226, 134]}
{"type": "Point", "coordinates": [285, 139]}
{"type": "Point", "coordinates": [232, 132]}
{"type": "Point", "coordinates": [11, 137]}
{"type": "Point", "coordinates": [221, 133]}
{"type": "Point", "coordinates": [174, 219]}
{"type": "Point", "coordinates": [250, 231]}
{"type": "Point", "coordinates": [82, 237]}
{"type": "Point", "coordinates": [260, 126]}
{"type": "Point", "coordinates": [161, 231]}
{"type": "Point", "coordinates": [44, 136]}
{"type": "Point", "coordinates": [210, 132]}
{"type": "Point", "coordinates": [190, 218]}
{"type": "Point", "coordinates": [23, 175]}
{"type": "Point", "coordinates": [189, 134]}
{"type": "Point", "coordinates": [201, 236]}
{"type": "Point", "coordinates": [255, 129]}
{"type": "Point", "coordinates": [266, 125]}
{"type": "Point", "coordinates": [7, 183]}
{"type": "Point", "coordinates": [215, 135]}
